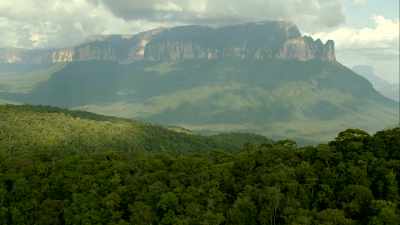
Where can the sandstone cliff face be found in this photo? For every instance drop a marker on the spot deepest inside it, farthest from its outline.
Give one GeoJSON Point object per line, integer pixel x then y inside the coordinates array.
{"type": "Point", "coordinates": [246, 41]}
{"type": "Point", "coordinates": [259, 41]}
{"type": "Point", "coordinates": [119, 48]}
{"type": "Point", "coordinates": [305, 48]}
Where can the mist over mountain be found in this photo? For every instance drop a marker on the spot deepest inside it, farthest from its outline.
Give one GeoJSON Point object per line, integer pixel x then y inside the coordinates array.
{"type": "Point", "coordinates": [385, 88]}
{"type": "Point", "coordinates": [257, 77]}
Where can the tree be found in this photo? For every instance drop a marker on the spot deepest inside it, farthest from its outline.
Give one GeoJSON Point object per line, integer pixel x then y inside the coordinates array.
{"type": "Point", "coordinates": [385, 213]}
{"type": "Point", "coordinates": [270, 201]}
{"type": "Point", "coordinates": [357, 201]}
{"type": "Point", "coordinates": [243, 212]}
{"type": "Point", "coordinates": [168, 202]}
{"type": "Point", "coordinates": [141, 214]}
{"type": "Point", "coordinates": [333, 217]}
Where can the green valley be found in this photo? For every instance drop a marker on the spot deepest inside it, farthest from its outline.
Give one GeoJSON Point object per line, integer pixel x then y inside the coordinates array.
{"type": "Point", "coordinates": [275, 98]}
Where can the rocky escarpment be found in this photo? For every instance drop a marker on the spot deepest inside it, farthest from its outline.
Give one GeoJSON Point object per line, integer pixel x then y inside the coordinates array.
{"type": "Point", "coordinates": [119, 48]}
{"type": "Point", "coordinates": [247, 41]}
{"type": "Point", "coordinates": [305, 48]}
{"type": "Point", "coordinates": [253, 40]}
{"type": "Point", "coordinates": [259, 41]}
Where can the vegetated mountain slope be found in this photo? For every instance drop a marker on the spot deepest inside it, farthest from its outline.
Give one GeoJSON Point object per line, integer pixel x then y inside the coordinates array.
{"type": "Point", "coordinates": [23, 78]}
{"type": "Point", "coordinates": [387, 89]}
{"type": "Point", "coordinates": [310, 100]}
{"type": "Point", "coordinates": [31, 128]}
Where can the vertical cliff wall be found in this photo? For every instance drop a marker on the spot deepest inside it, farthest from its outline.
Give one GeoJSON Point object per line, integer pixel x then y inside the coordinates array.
{"type": "Point", "coordinates": [259, 41]}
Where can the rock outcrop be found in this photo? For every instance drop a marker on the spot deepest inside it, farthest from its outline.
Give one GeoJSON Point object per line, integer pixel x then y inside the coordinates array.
{"type": "Point", "coordinates": [120, 48]}
{"type": "Point", "coordinates": [305, 48]}
{"type": "Point", "coordinates": [257, 41]}
{"type": "Point", "coordinates": [245, 41]}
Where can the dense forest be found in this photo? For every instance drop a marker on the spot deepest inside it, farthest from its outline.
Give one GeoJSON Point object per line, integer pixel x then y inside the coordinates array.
{"type": "Point", "coordinates": [352, 180]}
{"type": "Point", "coordinates": [28, 128]}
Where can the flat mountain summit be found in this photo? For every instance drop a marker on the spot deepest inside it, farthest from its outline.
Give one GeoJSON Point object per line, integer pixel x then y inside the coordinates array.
{"type": "Point", "coordinates": [263, 40]}
{"type": "Point", "coordinates": [264, 78]}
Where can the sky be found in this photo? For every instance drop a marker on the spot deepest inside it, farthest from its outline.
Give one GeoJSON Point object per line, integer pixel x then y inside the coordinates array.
{"type": "Point", "coordinates": [366, 32]}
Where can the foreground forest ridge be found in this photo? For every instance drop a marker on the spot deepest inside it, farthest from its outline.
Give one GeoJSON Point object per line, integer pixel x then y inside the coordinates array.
{"type": "Point", "coordinates": [68, 167]}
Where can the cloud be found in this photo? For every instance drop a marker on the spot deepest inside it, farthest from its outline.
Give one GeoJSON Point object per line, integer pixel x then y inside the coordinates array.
{"type": "Point", "coordinates": [312, 12]}
{"type": "Point", "coordinates": [377, 45]}
{"type": "Point", "coordinates": [384, 35]}
{"type": "Point", "coordinates": [58, 23]}
{"type": "Point", "coordinates": [360, 2]}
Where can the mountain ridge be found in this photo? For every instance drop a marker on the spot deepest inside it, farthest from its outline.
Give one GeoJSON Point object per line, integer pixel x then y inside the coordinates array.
{"type": "Point", "coordinates": [262, 40]}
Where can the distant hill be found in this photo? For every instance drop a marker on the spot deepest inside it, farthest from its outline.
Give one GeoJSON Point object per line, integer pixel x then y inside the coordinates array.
{"type": "Point", "coordinates": [387, 89]}
{"type": "Point", "coordinates": [26, 128]}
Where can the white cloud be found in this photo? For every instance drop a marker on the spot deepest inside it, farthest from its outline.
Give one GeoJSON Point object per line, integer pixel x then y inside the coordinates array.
{"type": "Point", "coordinates": [311, 13]}
{"type": "Point", "coordinates": [360, 2]}
{"type": "Point", "coordinates": [168, 6]}
{"type": "Point", "coordinates": [384, 35]}
{"type": "Point", "coordinates": [377, 46]}
{"type": "Point", "coordinates": [58, 23]}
